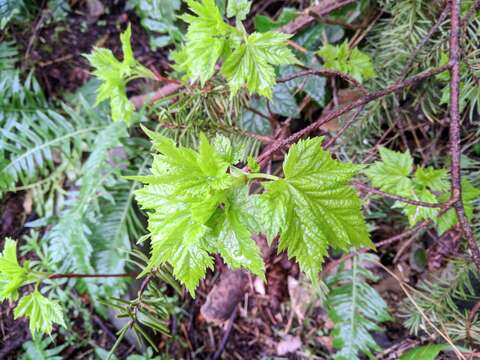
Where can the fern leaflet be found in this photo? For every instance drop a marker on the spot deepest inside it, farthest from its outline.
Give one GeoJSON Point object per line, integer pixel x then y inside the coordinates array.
{"type": "Point", "coordinates": [355, 308]}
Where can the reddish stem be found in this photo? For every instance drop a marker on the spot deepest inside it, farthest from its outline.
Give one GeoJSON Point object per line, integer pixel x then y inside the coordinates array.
{"type": "Point", "coordinates": [326, 73]}
{"type": "Point", "coordinates": [455, 148]}
{"type": "Point", "coordinates": [279, 145]}
{"type": "Point", "coordinates": [82, 276]}
{"type": "Point", "coordinates": [371, 190]}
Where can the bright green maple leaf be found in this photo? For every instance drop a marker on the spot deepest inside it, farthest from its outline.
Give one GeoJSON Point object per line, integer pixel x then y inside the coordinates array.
{"type": "Point", "coordinates": [115, 74]}
{"type": "Point", "coordinates": [418, 213]}
{"type": "Point", "coordinates": [350, 61]}
{"type": "Point", "coordinates": [469, 194]}
{"type": "Point", "coordinates": [233, 228]}
{"type": "Point", "coordinates": [314, 206]}
{"type": "Point", "coordinates": [12, 275]}
{"type": "Point", "coordinates": [434, 179]}
{"type": "Point", "coordinates": [208, 37]}
{"type": "Point", "coordinates": [186, 189]}
{"type": "Point", "coordinates": [247, 59]}
{"type": "Point", "coordinates": [391, 173]}
{"type": "Point", "coordinates": [394, 175]}
{"type": "Point", "coordinates": [238, 9]}
{"type": "Point", "coordinates": [41, 311]}
{"type": "Point", "coordinates": [232, 153]}
{"type": "Point", "coordinates": [252, 63]}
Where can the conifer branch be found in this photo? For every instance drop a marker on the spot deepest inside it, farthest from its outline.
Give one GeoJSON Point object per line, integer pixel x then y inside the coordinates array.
{"type": "Point", "coordinates": [424, 40]}
{"type": "Point", "coordinates": [326, 73]}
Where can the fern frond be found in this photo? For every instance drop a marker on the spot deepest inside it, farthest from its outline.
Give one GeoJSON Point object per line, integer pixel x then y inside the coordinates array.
{"type": "Point", "coordinates": [356, 309]}
{"type": "Point", "coordinates": [36, 139]}
{"type": "Point", "coordinates": [11, 10]}
{"type": "Point", "coordinates": [69, 238]}
{"type": "Point", "coordinates": [41, 349]}
{"type": "Point", "coordinates": [8, 57]}
{"type": "Point", "coordinates": [118, 226]}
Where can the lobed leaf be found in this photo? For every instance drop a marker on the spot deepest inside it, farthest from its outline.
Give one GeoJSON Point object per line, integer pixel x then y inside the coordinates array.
{"type": "Point", "coordinates": [115, 74]}
{"type": "Point", "coordinates": [314, 206]}
{"type": "Point", "coordinates": [252, 63]}
{"type": "Point", "coordinates": [238, 9]}
{"type": "Point", "coordinates": [247, 59]}
{"type": "Point", "coordinates": [12, 275]}
{"type": "Point", "coordinates": [207, 39]}
{"type": "Point", "coordinates": [41, 311]}
{"type": "Point", "coordinates": [350, 61]}
{"type": "Point", "coordinates": [195, 210]}
{"type": "Point", "coordinates": [391, 173]}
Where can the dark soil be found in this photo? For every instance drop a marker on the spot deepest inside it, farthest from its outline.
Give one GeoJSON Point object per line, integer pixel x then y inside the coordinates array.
{"type": "Point", "coordinates": [55, 51]}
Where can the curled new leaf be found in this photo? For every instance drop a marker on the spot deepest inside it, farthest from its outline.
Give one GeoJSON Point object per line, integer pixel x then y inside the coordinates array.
{"type": "Point", "coordinates": [115, 74]}
{"type": "Point", "coordinates": [207, 39]}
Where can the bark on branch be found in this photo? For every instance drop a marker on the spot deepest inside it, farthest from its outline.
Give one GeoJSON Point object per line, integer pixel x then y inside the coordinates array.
{"type": "Point", "coordinates": [313, 13]}
{"type": "Point", "coordinates": [282, 144]}
{"type": "Point", "coordinates": [455, 148]}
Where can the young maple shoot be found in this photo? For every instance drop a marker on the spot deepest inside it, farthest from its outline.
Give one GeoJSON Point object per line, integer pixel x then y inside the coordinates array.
{"type": "Point", "coordinates": [115, 74]}
{"type": "Point", "coordinates": [41, 311]}
{"type": "Point", "coordinates": [248, 59]}
{"type": "Point", "coordinates": [394, 174]}
{"type": "Point", "coordinates": [199, 204]}
{"type": "Point", "coordinates": [349, 61]}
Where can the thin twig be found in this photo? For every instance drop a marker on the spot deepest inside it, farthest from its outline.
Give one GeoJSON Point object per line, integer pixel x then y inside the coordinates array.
{"type": "Point", "coordinates": [345, 126]}
{"type": "Point", "coordinates": [420, 226]}
{"type": "Point", "coordinates": [144, 285]}
{"type": "Point", "coordinates": [371, 190]}
{"type": "Point", "coordinates": [326, 73]}
{"type": "Point", "coordinates": [404, 286]}
{"type": "Point", "coordinates": [312, 13]}
{"type": "Point", "coordinates": [403, 248]}
{"type": "Point", "coordinates": [84, 276]}
{"type": "Point", "coordinates": [455, 147]}
{"type": "Point", "coordinates": [228, 330]}
{"type": "Point", "coordinates": [164, 91]}
{"type": "Point", "coordinates": [346, 108]}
